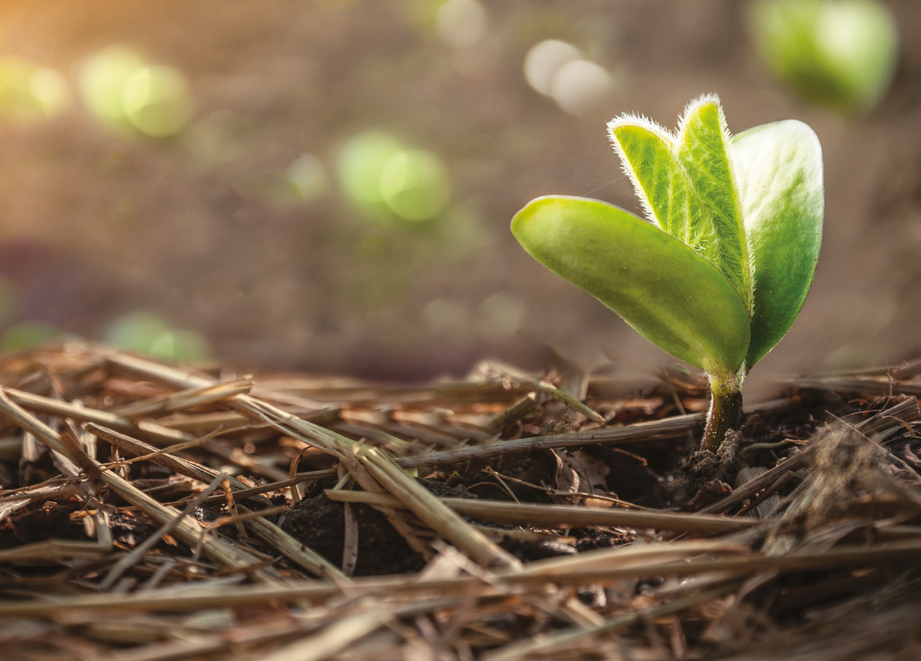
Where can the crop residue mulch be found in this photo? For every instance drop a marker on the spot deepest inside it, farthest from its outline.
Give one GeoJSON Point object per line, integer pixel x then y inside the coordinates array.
{"type": "Point", "coordinates": [155, 512]}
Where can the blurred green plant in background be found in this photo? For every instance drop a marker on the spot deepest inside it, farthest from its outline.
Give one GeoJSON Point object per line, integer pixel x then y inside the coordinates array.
{"type": "Point", "coordinates": [841, 53]}
{"type": "Point", "coordinates": [146, 333]}
{"type": "Point", "coordinates": [28, 334]}
{"type": "Point", "coordinates": [23, 334]}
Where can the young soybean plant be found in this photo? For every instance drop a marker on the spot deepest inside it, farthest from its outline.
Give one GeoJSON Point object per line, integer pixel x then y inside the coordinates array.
{"type": "Point", "coordinates": [721, 269]}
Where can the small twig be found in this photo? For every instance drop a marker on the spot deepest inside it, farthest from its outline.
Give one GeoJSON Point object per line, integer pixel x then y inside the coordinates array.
{"type": "Point", "coordinates": [188, 398]}
{"type": "Point", "coordinates": [767, 493]}
{"type": "Point", "coordinates": [569, 400]}
{"type": "Point", "coordinates": [248, 516]}
{"type": "Point", "coordinates": [564, 516]}
{"type": "Point", "coordinates": [511, 493]}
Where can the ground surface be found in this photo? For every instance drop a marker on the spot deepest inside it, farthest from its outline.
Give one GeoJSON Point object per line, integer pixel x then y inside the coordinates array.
{"type": "Point", "coordinates": [171, 514]}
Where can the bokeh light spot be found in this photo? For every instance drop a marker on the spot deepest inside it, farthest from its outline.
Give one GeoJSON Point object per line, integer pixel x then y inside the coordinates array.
{"type": "Point", "coordinates": [135, 331]}
{"type": "Point", "coordinates": [308, 177]}
{"type": "Point", "coordinates": [580, 87]}
{"type": "Point", "coordinates": [544, 60]}
{"type": "Point", "coordinates": [445, 317]}
{"type": "Point", "coordinates": [415, 185]}
{"type": "Point", "coordinates": [157, 101]}
{"type": "Point", "coordinates": [103, 78]}
{"type": "Point", "coordinates": [50, 88]}
{"type": "Point", "coordinates": [500, 315]}
{"type": "Point", "coordinates": [842, 53]}
{"type": "Point", "coordinates": [461, 23]}
{"type": "Point", "coordinates": [359, 165]}
{"type": "Point", "coordinates": [29, 93]}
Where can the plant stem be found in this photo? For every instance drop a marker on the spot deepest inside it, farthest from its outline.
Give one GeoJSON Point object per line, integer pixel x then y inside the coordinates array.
{"type": "Point", "coordinates": [725, 411]}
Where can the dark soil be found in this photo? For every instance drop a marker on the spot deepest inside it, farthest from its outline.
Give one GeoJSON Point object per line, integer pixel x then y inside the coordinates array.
{"type": "Point", "coordinates": [319, 523]}
{"type": "Point", "coordinates": [668, 475]}
{"type": "Point", "coordinates": [831, 468]}
{"type": "Point", "coordinates": [49, 522]}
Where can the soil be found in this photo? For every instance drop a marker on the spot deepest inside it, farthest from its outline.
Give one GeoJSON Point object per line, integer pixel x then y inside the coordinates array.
{"type": "Point", "coordinates": [817, 492]}
{"type": "Point", "coordinates": [319, 523]}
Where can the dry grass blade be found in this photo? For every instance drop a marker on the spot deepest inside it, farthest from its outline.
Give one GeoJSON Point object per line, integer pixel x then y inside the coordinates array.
{"type": "Point", "coordinates": [147, 430]}
{"type": "Point", "coordinates": [866, 384]}
{"type": "Point", "coordinates": [514, 413]}
{"type": "Point", "coordinates": [198, 645]}
{"type": "Point", "coordinates": [163, 458]}
{"type": "Point", "coordinates": [333, 638]}
{"type": "Point", "coordinates": [228, 555]}
{"type": "Point", "coordinates": [568, 639]}
{"type": "Point", "coordinates": [674, 427]}
{"type": "Point", "coordinates": [184, 399]}
{"type": "Point", "coordinates": [573, 573]}
{"type": "Point", "coordinates": [644, 578]}
{"type": "Point", "coordinates": [42, 493]}
{"type": "Point", "coordinates": [141, 549]}
{"type": "Point", "coordinates": [569, 400]}
{"type": "Point", "coordinates": [414, 497]}
{"type": "Point", "coordinates": [230, 420]}
{"type": "Point", "coordinates": [357, 471]}
{"type": "Point", "coordinates": [384, 471]}
{"type": "Point", "coordinates": [33, 425]}
{"type": "Point", "coordinates": [315, 591]}
{"type": "Point", "coordinates": [292, 549]}
{"type": "Point", "coordinates": [434, 513]}
{"type": "Point", "coordinates": [56, 549]}
{"type": "Point", "coordinates": [262, 528]}
{"type": "Point", "coordinates": [562, 516]}
{"type": "Point", "coordinates": [752, 487]}
{"type": "Point", "coordinates": [346, 632]}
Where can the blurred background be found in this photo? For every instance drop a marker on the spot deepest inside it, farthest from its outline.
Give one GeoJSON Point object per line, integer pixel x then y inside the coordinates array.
{"type": "Point", "coordinates": [328, 185]}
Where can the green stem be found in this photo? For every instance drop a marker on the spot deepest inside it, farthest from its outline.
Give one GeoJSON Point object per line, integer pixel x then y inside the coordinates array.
{"type": "Point", "coordinates": [725, 411]}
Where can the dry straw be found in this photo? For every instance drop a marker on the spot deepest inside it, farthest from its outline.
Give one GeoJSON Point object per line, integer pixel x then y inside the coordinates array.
{"type": "Point", "coordinates": [97, 436]}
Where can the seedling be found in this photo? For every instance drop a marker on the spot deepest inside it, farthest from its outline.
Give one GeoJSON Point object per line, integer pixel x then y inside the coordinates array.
{"type": "Point", "coordinates": [721, 269]}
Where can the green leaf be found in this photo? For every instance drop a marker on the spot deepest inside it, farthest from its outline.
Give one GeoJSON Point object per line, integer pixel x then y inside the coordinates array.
{"type": "Point", "coordinates": [687, 185]}
{"type": "Point", "coordinates": [667, 292]}
{"type": "Point", "coordinates": [650, 159]}
{"type": "Point", "coordinates": [778, 170]}
{"type": "Point", "coordinates": [703, 142]}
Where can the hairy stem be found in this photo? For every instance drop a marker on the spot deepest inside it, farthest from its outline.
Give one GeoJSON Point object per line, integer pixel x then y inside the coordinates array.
{"type": "Point", "coordinates": [725, 411]}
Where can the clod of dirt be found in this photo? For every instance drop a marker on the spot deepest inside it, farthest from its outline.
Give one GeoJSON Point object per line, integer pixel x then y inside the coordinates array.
{"type": "Point", "coordinates": [50, 522]}
{"type": "Point", "coordinates": [529, 551]}
{"type": "Point", "coordinates": [319, 523]}
{"type": "Point", "coordinates": [846, 465]}
{"type": "Point", "coordinates": [704, 474]}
